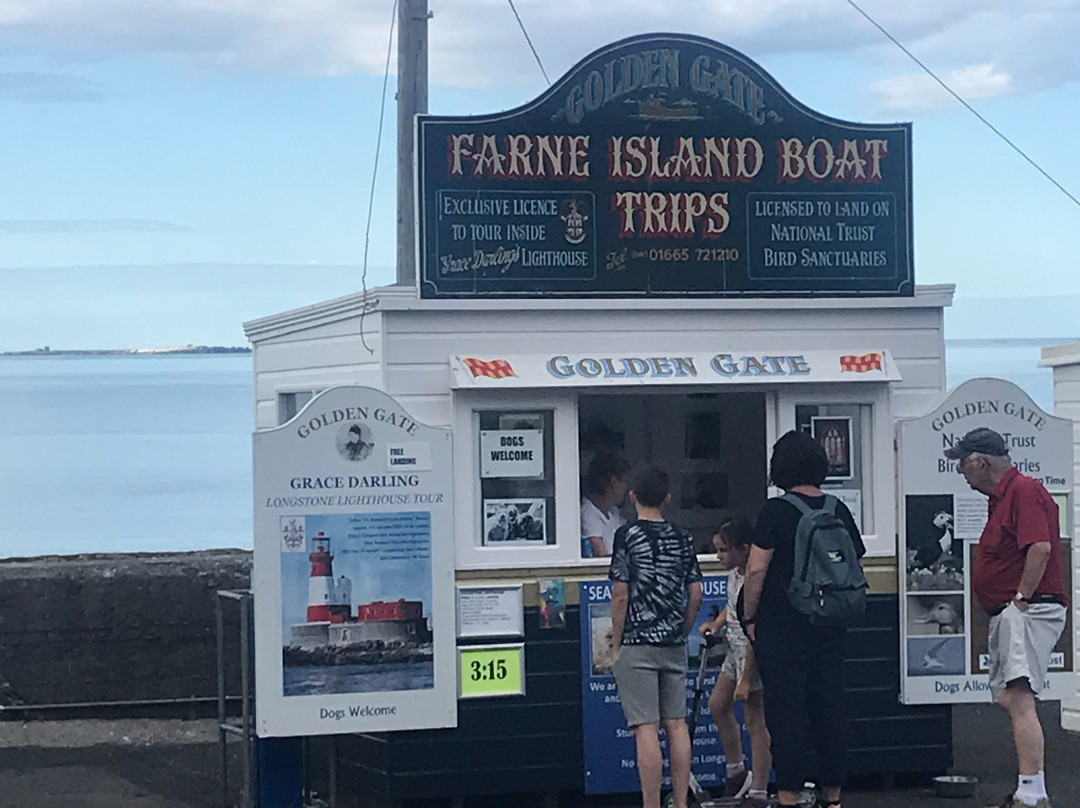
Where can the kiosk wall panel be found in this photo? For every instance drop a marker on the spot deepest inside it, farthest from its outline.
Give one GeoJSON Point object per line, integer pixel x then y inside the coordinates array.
{"type": "Point", "coordinates": [313, 349]}
{"type": "Point", "coordinates": [419, 343]}
{"type": "Point", "coordinates": [921, 374]}
{"type": "Point", "coordinates": [1065, 360]}
{"type": "Point", "coordinates": [531, 743]}
{"type": "Point", "coordinates": [423, 378]}
{"type": "Point", "coordinates": [907, 402]}
{"type": "Point", "coordinates": [327, 352]}
{"type": "Point", "coordinates": [294, 326]}
{"type": "Point", "coordinates": [430, 409]}
{"type": "Point", "coordinates": [534, 743]}
{"type": "Point", "coordinates": [269, 384]}
{"type": "Point", "coordinates": [265, 413]}
{"type": "Point", "coordinates": [448, 332]}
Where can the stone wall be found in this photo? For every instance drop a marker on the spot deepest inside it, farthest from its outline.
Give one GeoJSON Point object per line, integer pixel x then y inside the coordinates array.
{"type": "Point", "coordinates": [116, 628]}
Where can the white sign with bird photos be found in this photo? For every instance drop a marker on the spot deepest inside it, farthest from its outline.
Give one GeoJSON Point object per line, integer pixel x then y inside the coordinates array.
{"type": "Point", "coordinates": [943, 629]}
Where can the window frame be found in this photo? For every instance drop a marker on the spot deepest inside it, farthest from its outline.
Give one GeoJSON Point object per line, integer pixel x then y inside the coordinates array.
{"type": "Point", "coordinates": [877, 448]}
{"type": "Point", "coordinates": [470, 552]}
{"type": "Point", "coordinates": [282, 395]}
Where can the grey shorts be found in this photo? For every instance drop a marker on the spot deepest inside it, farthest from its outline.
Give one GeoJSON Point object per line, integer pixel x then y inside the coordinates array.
{"type": "Point", "coordinates": [734, 665]}
{"type": "Point", "coordinates": [652, 682]}
{"type": "Point", "coordinates": [1020, 644]}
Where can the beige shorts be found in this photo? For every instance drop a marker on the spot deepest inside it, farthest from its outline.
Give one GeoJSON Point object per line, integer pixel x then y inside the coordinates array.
{"type": "Point", "coordinates": [652, 682]}
{"type": "Point", "coordinates": [1020, 644]}
{"type": "Point", "coordinates": [734, 665]}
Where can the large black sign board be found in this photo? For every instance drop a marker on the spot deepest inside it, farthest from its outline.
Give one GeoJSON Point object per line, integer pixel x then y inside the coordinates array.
{"type": "Point", "coordinates": [663, 165]}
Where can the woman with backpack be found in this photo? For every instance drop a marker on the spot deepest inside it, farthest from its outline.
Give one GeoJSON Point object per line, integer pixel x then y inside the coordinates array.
{"type": "Point", "coordinates": [804, 584]}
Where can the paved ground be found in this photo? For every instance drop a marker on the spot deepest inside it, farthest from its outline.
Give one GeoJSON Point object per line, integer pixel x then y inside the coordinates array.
{"type": "Point", "coordinates": [176, 764]}
{"type": "Point", "coordinates": [113, 764]}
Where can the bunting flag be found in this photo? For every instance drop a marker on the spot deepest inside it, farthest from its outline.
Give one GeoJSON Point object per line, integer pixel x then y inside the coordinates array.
{"type": "Point", "coordinates": [492, 368]}
{"type": "Point", "coordinates": [860, 364]}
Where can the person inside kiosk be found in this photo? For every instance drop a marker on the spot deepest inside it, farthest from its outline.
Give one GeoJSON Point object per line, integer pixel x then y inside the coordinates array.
{"type": "Point", "coordinates": [713, 443]}
{"type": "Point", "coordinates": [605, 487]}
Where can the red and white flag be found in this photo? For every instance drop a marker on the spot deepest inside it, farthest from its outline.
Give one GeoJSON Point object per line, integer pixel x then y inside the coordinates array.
{"type": "Point", "coordinates": [492, 368]}
{"type": "Point", "coordinates": [850, 363]}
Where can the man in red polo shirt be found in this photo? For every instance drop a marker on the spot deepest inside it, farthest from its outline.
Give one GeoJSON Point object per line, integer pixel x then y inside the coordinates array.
{"type": "Point", "coordinates": [1017, 578]}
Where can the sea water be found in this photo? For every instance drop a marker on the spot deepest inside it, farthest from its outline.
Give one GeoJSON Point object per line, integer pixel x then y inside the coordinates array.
{"type": "Point", "coordinates": [307, 680]}
{"type": "Point", "coordinates": [153, 452]}
{"type": "Point", "coordinates": [1015, 360]}
{"type": "Point", "coordinates": [125, 453]}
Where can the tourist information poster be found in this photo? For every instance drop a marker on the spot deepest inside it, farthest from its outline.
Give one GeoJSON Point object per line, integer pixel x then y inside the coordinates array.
{"type": "Point", "coordinates": [610, 759]}
{"type": "Point", "coordinates": [353, 580]}
{"type": "Point", "coordinates": [943, 629]}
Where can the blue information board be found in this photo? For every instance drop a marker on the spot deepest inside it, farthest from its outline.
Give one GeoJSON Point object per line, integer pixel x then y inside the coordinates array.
{"type": "Point", "coordinates": [610, 759]}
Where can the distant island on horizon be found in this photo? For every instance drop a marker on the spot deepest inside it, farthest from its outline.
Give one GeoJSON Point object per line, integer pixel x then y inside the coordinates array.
{"type": "Point", "coordinates": [169, 349]}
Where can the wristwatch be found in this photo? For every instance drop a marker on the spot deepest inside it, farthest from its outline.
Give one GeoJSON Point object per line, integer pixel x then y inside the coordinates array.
{"type": "Point", "coordinates": [1020, 597]}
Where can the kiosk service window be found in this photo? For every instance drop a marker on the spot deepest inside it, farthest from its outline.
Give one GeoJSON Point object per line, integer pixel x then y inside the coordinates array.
{"type": "Point", "coordinates": [530, 456]}
{"type": "Point", "coordinates": [711, 444]}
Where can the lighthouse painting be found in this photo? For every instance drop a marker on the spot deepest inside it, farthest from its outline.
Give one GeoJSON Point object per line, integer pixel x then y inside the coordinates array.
{"type": "Point", "coordinates": [356, 605]}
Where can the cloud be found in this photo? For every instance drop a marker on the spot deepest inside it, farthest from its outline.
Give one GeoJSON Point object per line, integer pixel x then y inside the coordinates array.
{"type": "Point", "coordinates": [477, 43]}
{"type": "Point", "coordinates": [292, 36]}
{"type": "Point", "coordinates": [914, 91]}
{"type": "Point", "coordinates": [31, 87]}
{"type": "Point", "coordinates": [37, 226]}
{"type": "Point", "coordinates": [1003, 50]}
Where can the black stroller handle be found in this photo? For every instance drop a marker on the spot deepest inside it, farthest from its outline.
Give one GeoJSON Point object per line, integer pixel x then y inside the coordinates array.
{"type": "Point", "coordinates": [715, 638]}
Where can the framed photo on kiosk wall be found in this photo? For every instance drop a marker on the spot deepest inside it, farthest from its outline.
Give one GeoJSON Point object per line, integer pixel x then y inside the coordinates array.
{"type": "Point", "coordinates": [515, 521]}
{"type": "Point", "coordinates": [834, 434]}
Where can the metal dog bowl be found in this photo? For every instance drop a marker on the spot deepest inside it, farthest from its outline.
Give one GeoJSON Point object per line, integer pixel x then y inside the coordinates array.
{"type": "Point", "coordinates": [955, 785]}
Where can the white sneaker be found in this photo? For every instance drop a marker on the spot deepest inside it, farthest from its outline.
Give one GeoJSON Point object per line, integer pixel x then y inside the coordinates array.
{"type": "Point", "coordinates": [1012, 801]}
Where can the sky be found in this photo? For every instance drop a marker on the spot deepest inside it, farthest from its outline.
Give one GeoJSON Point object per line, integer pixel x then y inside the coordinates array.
{"type": "Point", "coordinates": [175, 167]}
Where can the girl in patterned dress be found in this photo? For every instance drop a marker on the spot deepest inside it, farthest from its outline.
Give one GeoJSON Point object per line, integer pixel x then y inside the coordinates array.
{"type": "Point", "coordinates": [738, 679]}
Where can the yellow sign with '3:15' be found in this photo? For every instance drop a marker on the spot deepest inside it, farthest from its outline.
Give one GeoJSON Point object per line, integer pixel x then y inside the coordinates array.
{"type": "Point", "coordinates": [485, 671]}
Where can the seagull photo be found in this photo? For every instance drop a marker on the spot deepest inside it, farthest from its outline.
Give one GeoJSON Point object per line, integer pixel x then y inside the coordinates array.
{"type": "Point", "coordinates": [935, 656]}
{"type": "Point", "coordinates": [931, 659]}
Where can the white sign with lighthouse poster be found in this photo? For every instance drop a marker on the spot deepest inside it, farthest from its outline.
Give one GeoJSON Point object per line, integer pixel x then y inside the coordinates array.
{"type": "Point", "coordinates": [943, 628]}
{"type": "Point", "coordinates": [353, 580]}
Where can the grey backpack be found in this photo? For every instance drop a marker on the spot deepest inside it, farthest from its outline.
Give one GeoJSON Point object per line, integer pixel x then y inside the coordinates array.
{"type": "Point", "coordinates": [828, 583]}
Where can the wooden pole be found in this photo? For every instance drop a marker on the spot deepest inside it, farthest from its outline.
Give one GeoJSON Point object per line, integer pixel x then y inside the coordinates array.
{"type": "Point", "coordinates": [412, 98]}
